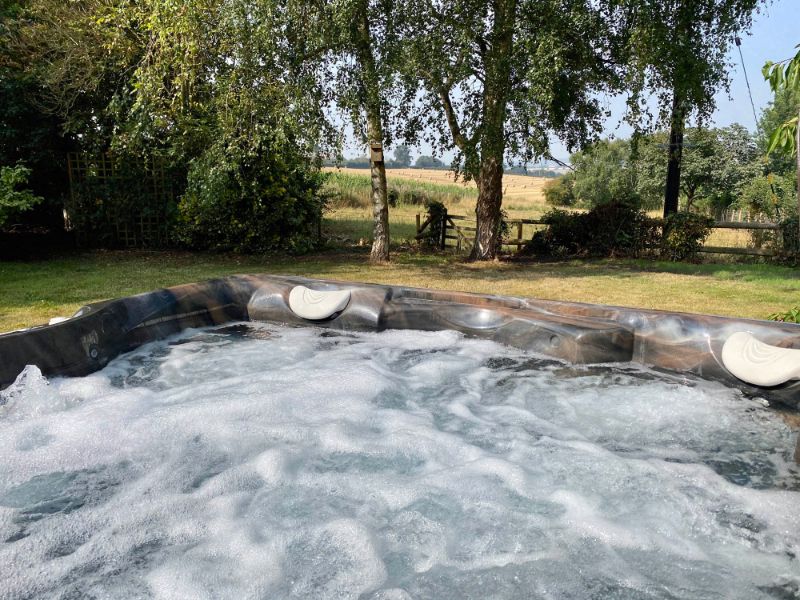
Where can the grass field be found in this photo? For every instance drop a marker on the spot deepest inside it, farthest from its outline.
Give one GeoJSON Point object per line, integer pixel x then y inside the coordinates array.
{"type": "Point", "coordinates": [33, 291]}
{"type": "Point", "coordinates": [351, 214]}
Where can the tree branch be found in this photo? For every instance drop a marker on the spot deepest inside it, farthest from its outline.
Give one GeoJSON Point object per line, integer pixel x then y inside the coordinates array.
{"type": "Point", "coordinates": [452, 120]}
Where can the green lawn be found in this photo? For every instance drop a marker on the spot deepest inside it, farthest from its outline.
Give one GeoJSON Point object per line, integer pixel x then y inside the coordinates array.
{"type": "Point", "coordinates": [33, 291]}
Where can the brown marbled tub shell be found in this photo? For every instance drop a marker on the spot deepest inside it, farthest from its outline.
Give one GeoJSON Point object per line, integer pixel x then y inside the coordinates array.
{"type": "Point", "coordinates": [573, 332]}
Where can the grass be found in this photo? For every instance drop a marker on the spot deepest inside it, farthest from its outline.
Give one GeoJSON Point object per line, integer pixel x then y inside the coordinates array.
{"type": "Point", "coordinates": [31, 292]}
{"type": "Point", "coordinates": [352, 190]}
{"type": "Point", "coordinates": [351, 211]}
{"type": "Point", "coordinates": [523, 198]}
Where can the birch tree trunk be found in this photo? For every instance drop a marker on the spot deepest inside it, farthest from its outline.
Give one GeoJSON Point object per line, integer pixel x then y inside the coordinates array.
{"type": "Point", "coordinates": [372, 106]}
{"type": "Point", "coordinates": [380, 204]}
{"type": "Point", "coordinates": [492, 139]}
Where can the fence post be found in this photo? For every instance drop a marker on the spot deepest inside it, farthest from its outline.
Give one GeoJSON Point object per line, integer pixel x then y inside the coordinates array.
{"type": "Point", "coordinates": [444, 228]}
{"type": "Point", "coordinates": [418, 223]}
{"type": "Point", "coordinates": [519, 232]}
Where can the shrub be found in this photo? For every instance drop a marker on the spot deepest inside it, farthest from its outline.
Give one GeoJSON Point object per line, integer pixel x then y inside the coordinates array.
{"type": "Point", "coordinates": [432, 236]}
{"type": "Point", "coordinates": [558, 192]}
{"type": "Point", "coordinates": [251, 200]}
{"type": "Point", "coordinates": [790, 316]}
{"type": "Point", "coordinates": [615, 229]}
{"type": "Point", "coordinates": [684, 234]}
{"type": "Point", "coordinates": [12, 199]}
{"type": "Point", "coordinates": [620, 229]}
{"type": "Point", "coordinates": [771, 195]}
{"type": "Point", "coordinates": [791, 239]}
{"type": "Point", "coordinates": [564, 235]}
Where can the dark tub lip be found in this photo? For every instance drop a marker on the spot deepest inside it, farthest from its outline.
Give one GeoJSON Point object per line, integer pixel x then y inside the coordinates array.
{"type": "Point", "coordinates": [676, 341]}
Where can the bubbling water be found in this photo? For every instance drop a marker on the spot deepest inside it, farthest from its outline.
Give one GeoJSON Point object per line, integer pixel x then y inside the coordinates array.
{"type": "Point", "coordinates": [258, 461]}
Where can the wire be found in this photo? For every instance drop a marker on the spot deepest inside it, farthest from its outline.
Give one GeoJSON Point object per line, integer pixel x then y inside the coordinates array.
{"type": "Point", "coordinates": [746, 79]}
{"type": "Point", "coordinates": [755, 117]}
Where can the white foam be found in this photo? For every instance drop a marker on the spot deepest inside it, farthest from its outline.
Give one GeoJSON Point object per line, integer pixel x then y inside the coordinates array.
{"type": "Point", "coordinates": [279, 462]}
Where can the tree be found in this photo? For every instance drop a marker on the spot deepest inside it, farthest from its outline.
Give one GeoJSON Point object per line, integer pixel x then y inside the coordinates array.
{"type": "Point", "coordinates": [496, 79]}
{"type": "Point", "coordinates": [605, 173]}
{"type": "Point", "coordinates": [784, 106]}
{"type": "Point", "coordinates": [679, 51]}
{"type": "Point", "coordinates": [28, 134]}
{"type": "Point", "coordinates": [785, 75]}
{"type": "Point", "coordinates": [351, 45]}
{"type": "Point", "coordinates": [716, 164]}
{"type": "Point", "coordinates": [206, 83]}
{"type": "Point", "coordinates": [559, 190]}
{"type": "Point", "coordinates": [79, 56]}
{"type": "Point", "coordinates": [12, 199]}
{"type": "Point", "coordinates": [428, 162]}
{"type": "Point", "coordinates": [402, 156]}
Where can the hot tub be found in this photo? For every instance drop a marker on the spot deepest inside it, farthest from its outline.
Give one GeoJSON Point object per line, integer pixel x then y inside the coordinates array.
{"type": "Point", "coordinates": [573, 332]}
{"type": "Point", "coordinates": [254, 437]}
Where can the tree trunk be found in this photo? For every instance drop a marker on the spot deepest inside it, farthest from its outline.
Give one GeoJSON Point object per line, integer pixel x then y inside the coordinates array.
{"type": "Point", "coordinates": [380, 204]}
{"type": "Point", "coordinates": [372, 106]}
{"type": "Point", "coordinates": [492, 140]}
{"type": "Point", "coordinates": [673, 186]}
{"type": "Point", "coordinates": [487, 209]}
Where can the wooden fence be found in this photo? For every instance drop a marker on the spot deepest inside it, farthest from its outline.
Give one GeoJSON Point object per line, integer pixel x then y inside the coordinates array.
{"type": "Point", "coordinates": [458, 232]}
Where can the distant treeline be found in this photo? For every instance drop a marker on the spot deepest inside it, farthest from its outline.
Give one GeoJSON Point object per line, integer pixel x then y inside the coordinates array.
{"type": "Point", "coordinates": [431, 162]}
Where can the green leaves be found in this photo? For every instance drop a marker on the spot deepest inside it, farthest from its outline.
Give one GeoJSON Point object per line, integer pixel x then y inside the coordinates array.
{"type": "Point", "coordinates": [12, 199]}
{"type": "Point", "coordinates": [784, 138]}
{"type": "Point", "coordinates": [784, 75]}
{"type": "Point", "coordinates": [790, 316]}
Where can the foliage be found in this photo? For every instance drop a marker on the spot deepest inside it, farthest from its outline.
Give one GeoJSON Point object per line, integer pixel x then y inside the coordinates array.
{"type": "Point", "coordinates": [28, 132]}
{"type": "Point", "coordinates": [771, 195]}
{"type": "Point", "coordinates": [605, 173]}
{"type": "Point", "coordinates": [251, 200]}
{"type": "Point", "coordinates": [558, 191]}
{"type": "Point", "coordinates": [108, 205]}
{"type": "Point", "coordinates": [613, 229]}
{"type": "Point", "coordinates": [717, 164]}
{"type": "Point", "coordinates": [348, 190]}
{"type": "Point", "coordinates": [436, 211]}
{"type": "Point", "coordinates": [790, 231]}
{"type": "Point", "coordinates": [784, 75]}
{"type": "Point", "coordinates": [184, 81]}
{"type": "Point", "coordinates": [684, 234]}
{"type": "Point", "coordinates": [790, 316]}
{"type": "Point", "coordinates": [12, 199]}
{"type": "Point", "coordinates": [428, 162]}
{"type": "Point", "coordinates": [618, 229]}
{"type": "Point", "coordinates": [78, 57]}
{"type": "Point", "coordinates": [678, 50]}
{"type": "Point", "coordinates": [784, 106]}
{"type": "Point", "coordinates": [402, 156]}
{"type": "Point", "coordinates": [496, 79]}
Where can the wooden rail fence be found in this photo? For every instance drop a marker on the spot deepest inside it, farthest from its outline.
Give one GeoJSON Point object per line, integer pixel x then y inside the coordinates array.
{"type": "Point", "coordinates": [458, 232]}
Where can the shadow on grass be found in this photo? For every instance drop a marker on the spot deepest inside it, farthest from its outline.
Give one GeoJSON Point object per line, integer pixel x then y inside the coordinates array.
{"type": "Point", "coordinates": [616, 268]}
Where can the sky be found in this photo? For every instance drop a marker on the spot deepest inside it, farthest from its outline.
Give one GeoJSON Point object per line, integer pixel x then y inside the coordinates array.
{"type": "Point", "coordinates": [774, 35]}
